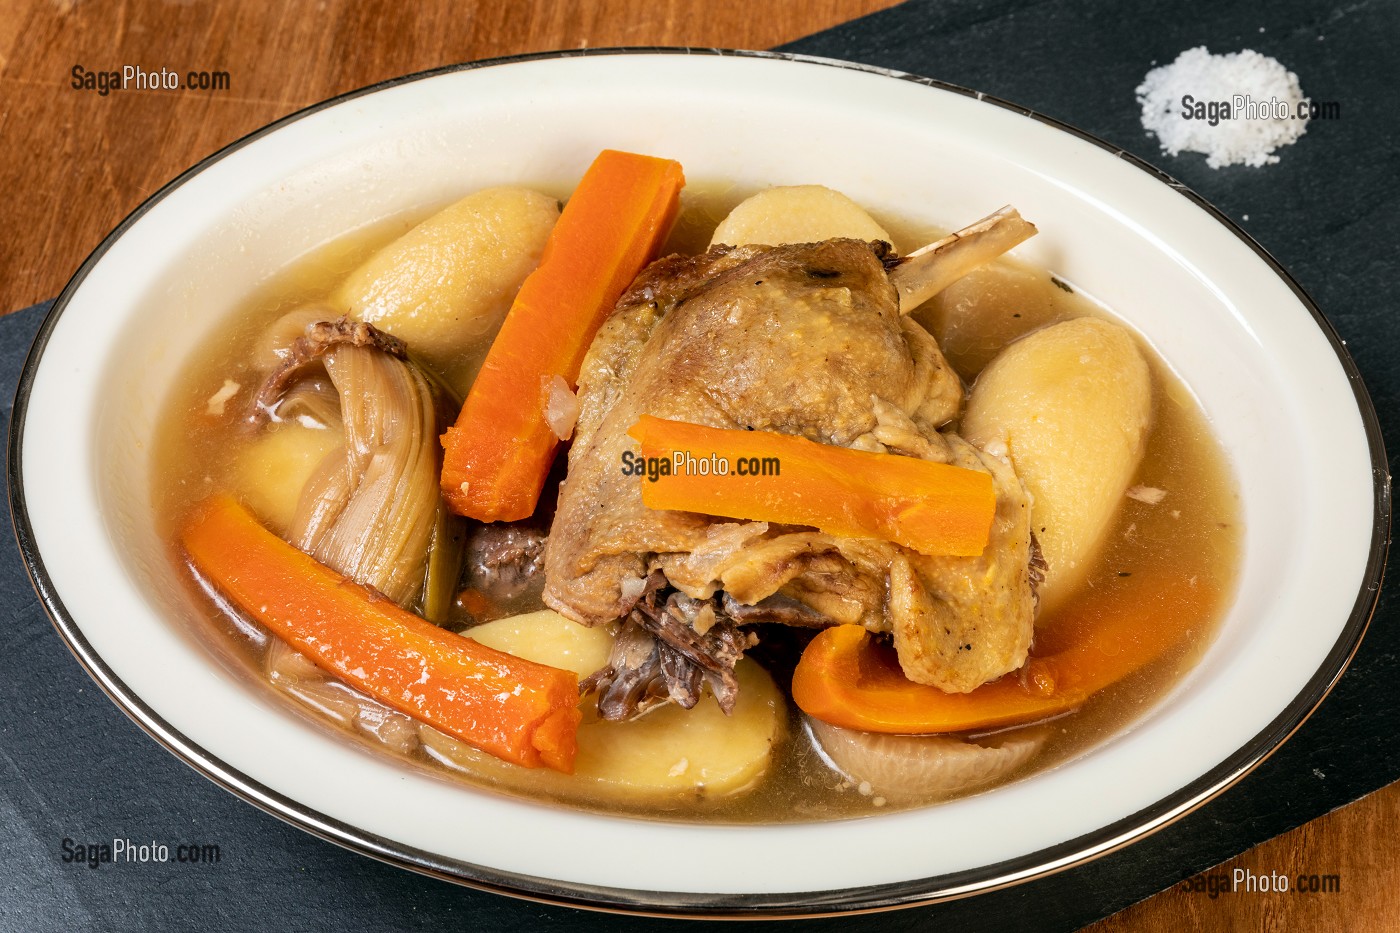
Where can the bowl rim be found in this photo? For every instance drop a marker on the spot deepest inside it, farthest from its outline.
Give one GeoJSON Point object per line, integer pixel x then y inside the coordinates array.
{"type": "Point", "coordinates": [1037, 864]}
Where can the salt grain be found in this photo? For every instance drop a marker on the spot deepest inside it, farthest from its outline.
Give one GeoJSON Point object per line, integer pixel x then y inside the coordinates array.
{"type": "Point", "coordinates": [1218, 79]}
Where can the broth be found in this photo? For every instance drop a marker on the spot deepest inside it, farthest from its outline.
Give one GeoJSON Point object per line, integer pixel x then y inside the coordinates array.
{"type": "Point", "coordinates": [1195, 529]}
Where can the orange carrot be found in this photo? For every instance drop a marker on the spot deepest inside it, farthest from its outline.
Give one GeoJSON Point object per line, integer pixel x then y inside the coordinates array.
{"type": "Point", "coordinates": [476, 604]}
{"type": "Point", "coordinates": [523, 712]}
{"type": "Point", "coordinates": [848, 679]}
{"type": "Point", "coordinates": [933, 508]}
{"type": "Point", "coordinates": [501, 448]}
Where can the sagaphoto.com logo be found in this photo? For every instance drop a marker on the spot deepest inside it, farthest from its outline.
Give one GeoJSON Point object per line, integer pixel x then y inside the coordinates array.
{"type": "Point", "coordinates": [1245, 107]}
{"type": "Point", "coordinates": [122, 851]}
{"type": "Point", "coordinates": [136, 78]}
{"type": "Point", "coordinates": [1244, 881]}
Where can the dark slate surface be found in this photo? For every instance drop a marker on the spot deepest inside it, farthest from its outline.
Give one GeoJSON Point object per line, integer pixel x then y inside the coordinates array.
{"type": "Point", "coordinates": [71, 765]}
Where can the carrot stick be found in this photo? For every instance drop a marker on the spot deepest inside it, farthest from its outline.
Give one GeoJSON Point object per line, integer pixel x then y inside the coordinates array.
{"type": "Point", "coordinates": [848, 679]}
{"type": "Point", "coordinates": [500, 450]}
{"type": "Point", "coordinates": [933, 508]}
{"type": "Point", "coordinates": [523, 712]}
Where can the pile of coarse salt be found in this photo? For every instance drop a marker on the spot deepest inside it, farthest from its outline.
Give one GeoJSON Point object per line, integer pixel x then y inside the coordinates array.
{"type": "Point", "coordinates": [1208, 78]}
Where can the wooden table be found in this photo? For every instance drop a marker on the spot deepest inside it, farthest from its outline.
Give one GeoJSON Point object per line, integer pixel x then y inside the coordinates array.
{"type": "Point", "coordinates": [73, 163]}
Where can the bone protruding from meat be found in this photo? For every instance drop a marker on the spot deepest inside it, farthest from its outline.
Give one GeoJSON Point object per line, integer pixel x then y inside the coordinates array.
{"type": "Point", "coordinates": [927, 271]}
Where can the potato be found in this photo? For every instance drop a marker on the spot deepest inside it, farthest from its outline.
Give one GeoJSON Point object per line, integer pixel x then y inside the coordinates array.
{"type": "Point", "coordinates": [1071, 404]}
{"type": "Point", "coordinates": [270, 472]}
{"type": "Point", "coordinates": [668, 754]}
{"type": "Point", "coordinates": [797, 214]}
{"type": "Point", "coordinates": [673, 751]}
{"type": "Point", "coordinates": [444, 286]}
{"type": "Point", "coordinates": [984, 311]}
{"type": "Point", "coordinates": [546, 637]}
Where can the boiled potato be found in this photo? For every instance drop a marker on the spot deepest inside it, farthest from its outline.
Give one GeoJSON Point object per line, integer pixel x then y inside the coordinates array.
{"type": "Point", "coordinates": [796, 214]}
{"type": "Point", "coordinates": [444, 286]}
{"type": "Point", "coordinates": [673, 751]}
{"type": "Point", "coordinates": [270, 472]}
{"type": "Point", "coordinates": [669, 753]}
{"type": "Point", "coordinates": [546, 637]}
{"type": "Point", "coordinates": [1071, 405]}
{"type": "Point", "coordinates": [984, 311]}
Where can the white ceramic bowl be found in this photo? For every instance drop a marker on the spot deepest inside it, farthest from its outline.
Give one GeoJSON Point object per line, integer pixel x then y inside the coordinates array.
{"type": "Point", "coordinates": [1271, 375]}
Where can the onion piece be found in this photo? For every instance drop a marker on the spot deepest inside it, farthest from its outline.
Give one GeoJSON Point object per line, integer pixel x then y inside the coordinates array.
{"type": "Point", "coordinates": [926, 766]}
{"type": "Point", "coordinates": [561, 406]}
{"type": "Point", "coordinates": [296, 675]}
{"type": "Point", "coordinates": [311, 403]}
{"type": "Point", "coordinates": [372, 509]}
{"type": "Point", "coordinates": [374, 520]}
{"type": "Point", "coordinates": [1150, 495]}
{"type": "Point", "coordinates": [444, 566]}
{"type": "Point", "coordinates": [214, 407]}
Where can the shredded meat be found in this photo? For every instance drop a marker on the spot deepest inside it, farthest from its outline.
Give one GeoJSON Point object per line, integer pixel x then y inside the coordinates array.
{"type": "Point", "coordinates": [632, 684]}
{"type": "Point", "coordinates": [778, 608]}
{"type": "Point", "coordinates": [503, 558]}
{"type": "Point", "coordinates": [661, 656]}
